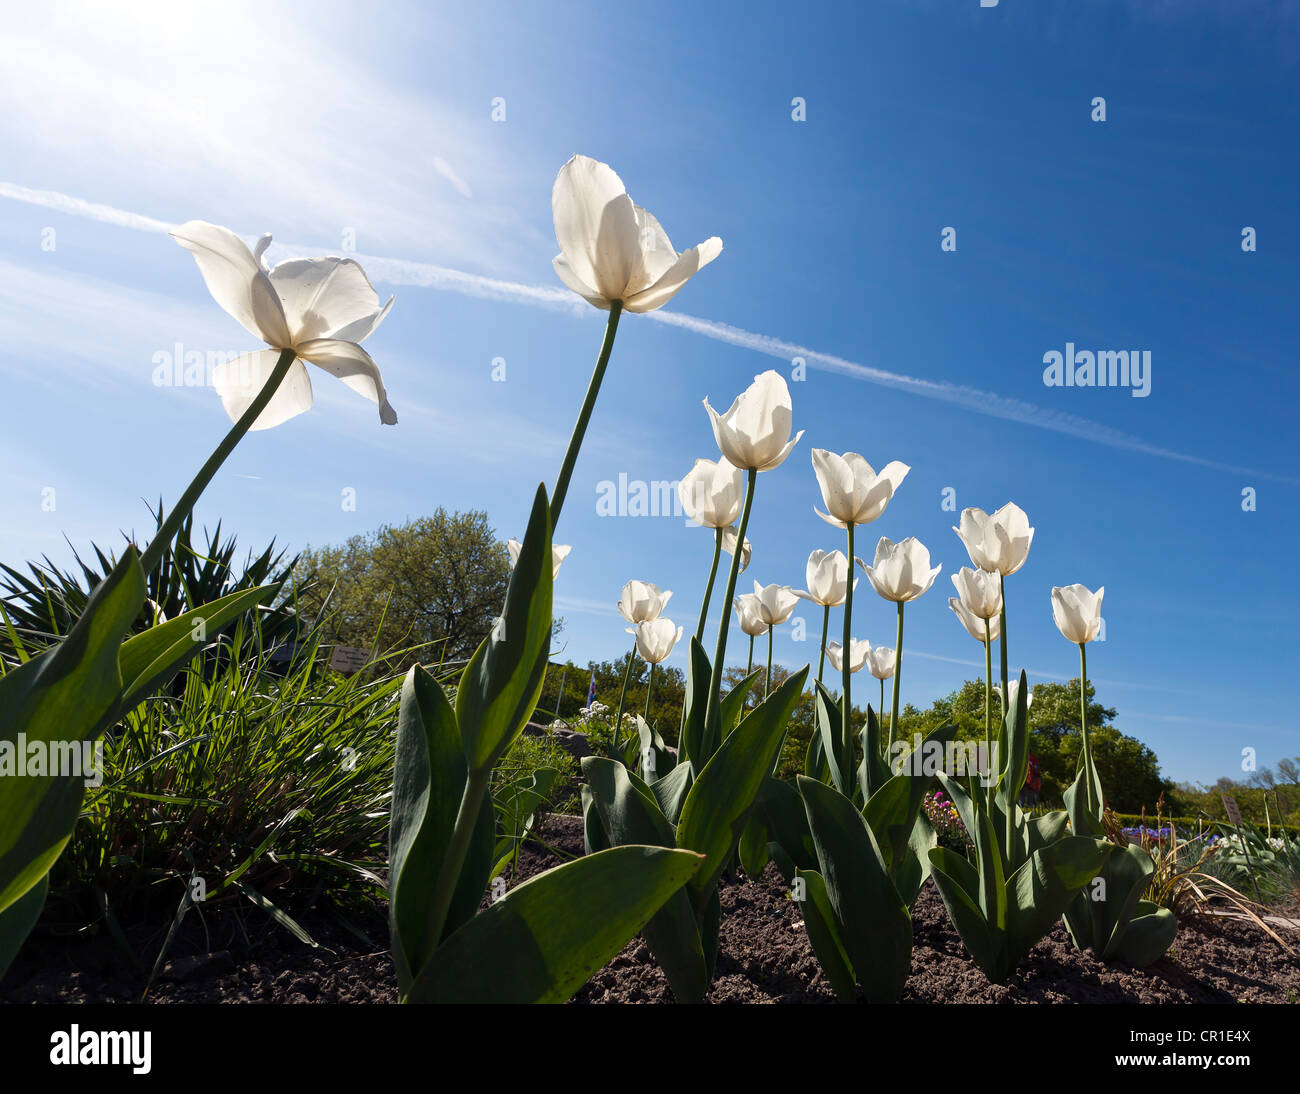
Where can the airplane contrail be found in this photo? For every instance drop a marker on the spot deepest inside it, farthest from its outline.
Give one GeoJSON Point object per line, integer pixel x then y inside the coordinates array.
{"type": "Point", "coordinates": [405, 272]}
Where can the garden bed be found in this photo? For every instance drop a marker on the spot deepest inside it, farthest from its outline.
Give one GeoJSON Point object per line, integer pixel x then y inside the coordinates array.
{"type": "Point", "coordinates": [236, 955]}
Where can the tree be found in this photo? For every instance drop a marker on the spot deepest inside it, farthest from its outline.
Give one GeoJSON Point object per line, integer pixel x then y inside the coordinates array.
{"type": "Point", "coordinates": [439, 579]}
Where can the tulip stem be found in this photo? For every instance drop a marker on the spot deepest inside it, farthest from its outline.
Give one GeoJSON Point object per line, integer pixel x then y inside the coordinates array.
{"type": "Point", "coordinates": [988, 702]}
{"type": "Point", "coordinates": [846, 674]}
{"type": "Point", "coordinates": [622, 695]}
{"type": "Point", "coordinates": [584, 415]}
{"type": "Point", "coordinates": [712, 711]}
{"type": "Point", "coordinates": [1002, 624]}
{"type": "Point", "coordinates": [882, 698]}
{"type": "Point", "coordinates": [708, 589]}
{"type": "Point", "coordinates": [649, 689]}
{"type": "Point", "coordinates": [898, 672]}
{"type": "Point", "coordinates": [750, 667]}
{"type": "Point", "coordinates": [826, 622]}
{"type": "Point", "coordinates": [767, 680]}
{"type": "Point", "coordinates": [1086, 754]}
{"type": "Point", "coordinates": [167, 530]}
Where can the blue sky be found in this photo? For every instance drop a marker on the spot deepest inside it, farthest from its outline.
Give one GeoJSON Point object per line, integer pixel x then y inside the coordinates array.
{"type": "Point", "coordinates": [320, 122]}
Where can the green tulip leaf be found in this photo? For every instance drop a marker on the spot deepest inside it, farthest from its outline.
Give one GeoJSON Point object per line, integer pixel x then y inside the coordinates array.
{"type": "Point", "coordinates": [59, 700]}
{"type": "Point", "coordinates": [1039, 892]}
{"type": "Point", "coordinates": [499, 689]}
{"type": "Point", "coordinates": [824, 935]}
{"type": "Point", "coordinates": [545, 939]}
{"type": "Point", "coordinates": [718, 805]}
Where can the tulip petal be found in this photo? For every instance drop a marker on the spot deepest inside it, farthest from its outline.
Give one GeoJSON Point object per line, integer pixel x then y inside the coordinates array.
{"type": "Point", "coordinates": [576, 284]}
{"type": "Point", "coordinates": [829, 519]}
{"type": "Point", "coordinates": [596, 225]}
{"type": "Point", "coordinates": [353, 365]}
{"type": "Point", "coordinates": [236, 280]}
{"type": "Point", "coordinates": [324, 297]}
{"type": "Point", "coordinates": [239, 381]}
{"type": "Point", "coordinates": [688, 264]}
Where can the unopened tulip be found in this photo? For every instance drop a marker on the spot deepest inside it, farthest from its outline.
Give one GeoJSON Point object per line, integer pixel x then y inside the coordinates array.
{"type": "Point", "coordinates": [775, 602]}
{"type": "Point", "coordinates": [655, 638]}
{"type": "Point", "coordinates": [998, 543]}
{"type": "Point", "coordinates": [851, 489]}
{"type": "Point", "coordinates": [828, 579]}
{"type": "Point", "coordinates": [611, 249]}
{"type": "Point", "coordinates": [712, 493]}
{"type": "Point", "coordinates": [902, 570]}
{"type": "Point", "coordinates": [729, 545]}
{"type": "Point", "coordinates": [980, 592]}
{"type": "Point", "coordinates": [559, 552]}
{"type": "Point", "coordinates": [754, 432]}
{"type": "Point", "coordinates": [858, 654]}
{"type": "Point", "coordinates": [642, 602]}
{"type": "Point", "coordinates": [1077, 612]}
{"type": "Point", "coordinates": [320, 309]}
{"type": "Point", "coordinates": [973, 623]}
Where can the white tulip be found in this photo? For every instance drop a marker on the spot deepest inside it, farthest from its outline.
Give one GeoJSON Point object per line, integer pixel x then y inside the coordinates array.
{"type": "Point", "coordinates": [902, 570]}
{"type": "Point", "coordinates": [729, 536]}
{"type": "Point", "coordinates": [642, 602]}
{"type": "Point", "coordinates": [655, 638]}
{"type": "Point", "coordinates": [851, 489]}
{"type": "Point", "coordinates": [754, 433]}
{"type": "Point", "coordinates": [775, 603]}
{"type": "Point", "coordinates": [611, 249]}
{"type": "Point", "coordinates": [749, 615]}
{"type": "Point", "coordinates": [980, 592]}
{"type": "Point", "coordinates": [997, 543]}
{"type": "Point", "coordinates": [1077, 612]}
{"type": "Point", "coordinates": [881, 660]}
{"type": "Point", "coordinates": [320, 308]}
{"type": "Point", "coordinates": [859, 652]}
{"type": "Point", "coordinates": [828, 579]}
{"type": "Point", "coordinates": [712, 493]}
{"type": "Point", "coordinates": [973, 623]}
{"type": "Point", "coordinates": [559, 552]}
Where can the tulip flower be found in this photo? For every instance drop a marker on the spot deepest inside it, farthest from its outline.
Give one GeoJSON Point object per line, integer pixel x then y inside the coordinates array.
{"type": "Point", "coordinates": [559, 552]}
{"type": "Point", "coordinates": [615, 256]}
{"type": "Point", "coordinates": [901, 573]}
{"type": "Point", "coordinates": [655, 640]}
{"type": "Point", "coordinates": [828, 579]}
{"type": "Point", "coordinates": [642, 602]}
{"type": "Point", "coordinates": [1077, 612]}
{"type": "Point", "coordinates": [852, 491]}
{"type": "Point", "coordinates": [312, 309]}
{"type": "Point", "coordinates": [754, 432]}
{"type": "Point", "coordinates": [998, 544]}
{"type": "Point", "coordinates": [980, 593]}
{"type": "Point", "coordinates": [712, 495]}
{"type": "Point", "coordinates": [853, 494]}
{"type": "Point", "coordinates": [612, 251]}
{"type": "Point", "coordinates": [828, 585]}
{"type": "Point", "coordinates": [881, 659]}
{"type": "Point", "coordinates": [774, 604]}
{"type": "Point", "coordinates": [975, 626]}
{"type": "Point", "coordinates": [858, 652]}
{"type": "Point", "coordinates": [750, 618]}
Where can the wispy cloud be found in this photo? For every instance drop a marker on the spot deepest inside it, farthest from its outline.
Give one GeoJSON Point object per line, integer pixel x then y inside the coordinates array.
{"type": "Point", "coordinates": [406, 272]}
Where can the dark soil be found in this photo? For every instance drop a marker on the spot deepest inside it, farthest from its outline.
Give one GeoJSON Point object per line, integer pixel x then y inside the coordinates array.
{"type": "Point", "coordinates": [238, 956]}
